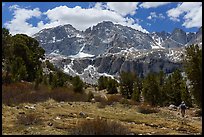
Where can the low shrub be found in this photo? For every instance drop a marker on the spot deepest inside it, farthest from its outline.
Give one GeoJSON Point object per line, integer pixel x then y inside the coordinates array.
{"type": "Point", "coordinates": [102, 102]}
{"type": "Point", "coordinates": [90, 96]}
{"type": "Point", "coordinates": [198, 113]}
{"type": "Point", "coordinates": [114, 98]}
{"type": "Point", "coordinates": [67, 94]}
{"type": "Point", "coordinates": [124, 101]}
{"type": "Point", "coordinates": [24, 92]}
{"type": "Point", "coordinates": [29, 119]}
{"type": "Point", "coordinates": [145, 109]}
{"type": "Point", "coordinates": [100, 126]}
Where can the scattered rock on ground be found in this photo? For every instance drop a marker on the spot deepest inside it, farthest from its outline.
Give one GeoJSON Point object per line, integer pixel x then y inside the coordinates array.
{"type": "Point", "coordinates": [30, 107]}
{"type": "Point", "coordinates": [49, 124]}
{"type": "Point", "coordinates": [21, 113]}
{"type": "Point", "coordinates": [82, 114]}
{"type": "Point", "coordinates": [172, 107]}
{"type": "Point", "coordinates": [69, 103]}
{"type": "Point", "coordinates": [93, 100]}
{"type": "Point", "coordinates": [57, 118]}
{"type": "Point", "coordinates": [89, 118]}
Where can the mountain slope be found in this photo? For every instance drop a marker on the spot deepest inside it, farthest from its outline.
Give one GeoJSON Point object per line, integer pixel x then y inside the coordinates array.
{"type": "Point", "coordinates": [107, 49]}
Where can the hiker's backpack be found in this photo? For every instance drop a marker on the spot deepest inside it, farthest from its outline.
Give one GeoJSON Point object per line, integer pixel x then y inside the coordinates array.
{"type": "Point", "coordinates": [183, 106]}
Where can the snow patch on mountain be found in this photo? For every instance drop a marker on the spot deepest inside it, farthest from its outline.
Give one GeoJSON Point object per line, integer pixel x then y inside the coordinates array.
{"type": "Point", "coordinates": [55, 56]}
{"type": "Point", "coordinates": [81, 55]}
{"type": "Point", "coordinates": [174, 55]}
{"type": "Point", "coordinates": [68, 69]}
{"type": "Point", "coordinates": [89, 75]}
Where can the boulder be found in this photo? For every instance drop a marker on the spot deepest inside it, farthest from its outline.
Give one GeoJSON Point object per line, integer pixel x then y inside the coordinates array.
{"type": "Point", "coordinates": [30, 107]}
{"type": "Point", "coordinates": [89, 118]}
{"type": "Point", "coordinates": [82, 114]}
{"type": "Point", "coordinates": [93, 100]}
{"type": "Point", "coordinates": [172, 107]}
{"type": "Point", "coordinates": [58, 118]}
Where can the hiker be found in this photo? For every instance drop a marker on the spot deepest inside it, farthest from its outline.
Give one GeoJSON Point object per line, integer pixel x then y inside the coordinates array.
{"type": "Point", "coordinates": [182, 107]}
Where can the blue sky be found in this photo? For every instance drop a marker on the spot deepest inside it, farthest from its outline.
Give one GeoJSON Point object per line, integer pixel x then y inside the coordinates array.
{"type": "Point", "coordinates": [31, 17]}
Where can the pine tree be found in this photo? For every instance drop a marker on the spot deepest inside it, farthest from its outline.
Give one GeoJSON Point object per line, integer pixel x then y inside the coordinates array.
{"type": "Point", "coordinates": [7, 57]}
{"type": "Point", "coordinates": [77, 84]}
{"type": "Point", "coordinates": [126, 83]}
{"type": "Point", "coordinates": [50, 77]}
{"type": "Point", "coordinates": [150, 89]}
{"type": "Point", "coordinates": [29, 50]}
{"type": "Point", "coordinates": [174, 87]}
{"type": "Point", "coordinates": [161, 82]}
{"type": "Point", "coordinates": [102, 83]}
{"type": "Point", "coordinates": [112, 86]}
{"type": "Point", "coordinates": [137, 88]}
{"type": "Point", "coordinates": [193, 69]}
{"type": "Point", "coordinates": [18, 69]}
{"type": "Point", "coordinates": [185, 94]}
{"type": "Point", "coordinates": [168, 91]}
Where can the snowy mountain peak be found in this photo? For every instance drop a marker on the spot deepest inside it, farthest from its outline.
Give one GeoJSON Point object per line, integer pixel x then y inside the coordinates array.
{"type": "Point", "coordinates": [106, 49]}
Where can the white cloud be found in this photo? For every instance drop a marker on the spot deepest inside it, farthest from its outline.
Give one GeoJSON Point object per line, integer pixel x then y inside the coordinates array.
{"type": "Point", "coordinates": [84, 18]}
{"type": "Point", "coordinates": [147, 5]}
{"type": "Point", "coordinates": [19, 22]}
{"type": "Point", "coordinates": [78, 17]}
{"type": "Point", "coordinates": [123, 8]}
{"type": "Point", "coordinates": [98, 6]}
{"type": "Point", "coordinates": [191, 12]}
{"type": "Point", "coordinates": [149, 17]}
{"type": "Point", "coordinates": [153, 15]}
{"type": "Point", "coordinates": [148, 24]}
{"type": "Point", "coordinates": [13, 7]}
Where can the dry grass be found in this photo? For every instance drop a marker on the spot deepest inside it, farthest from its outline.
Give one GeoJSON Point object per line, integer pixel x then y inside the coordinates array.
{"type": "Point", "coordinates": [100, 126]}
{"type": "Point", "coordinates": [24, 92]}
{"type": "Point", "coordinates": [146, 109]}
{"type": "Point", "coordinates": [114, 98]}
{"type": "Point", "coordinates": [60, 117]}
{"type": "Point", "coordinates": [29, 119]}
{"type": "Point", "coordinates": [67, 94]}
{"type": "Point", "coordinates": [16, 93]}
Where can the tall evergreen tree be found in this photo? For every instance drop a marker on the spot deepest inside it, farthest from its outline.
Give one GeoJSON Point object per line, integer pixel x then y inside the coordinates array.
{"type": "Point", "coordinates": [28, 49]}
{"type": "Point", "coordinates": [150, 89]}
{"type": "Point", "coordinates": [18, 69]}
{"type": "Point", "coordinates": [102, 83]}
{"type": "Point", "coordinates": [137, 88]}
{"type": "Point", "coordinates": [174, 87]}
{"type": "Point", "coordinates": [77, 84]}
{"type": "Point", "coordinates": [112, 86]}
{"type": "Point", "coordinates": [163, 94]}
{"type": "Point", "coordinates": [126, 83]}
{"type": "Point", "coordinates": [193, 69]}
{"type": "Point", "coordinates": [185, 94]}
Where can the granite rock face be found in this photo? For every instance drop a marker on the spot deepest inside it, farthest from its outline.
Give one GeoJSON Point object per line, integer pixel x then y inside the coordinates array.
{"type": "Point", "coordinates": [108, 49]}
